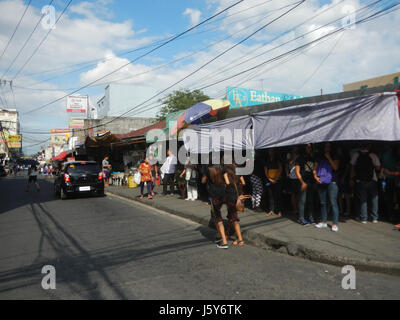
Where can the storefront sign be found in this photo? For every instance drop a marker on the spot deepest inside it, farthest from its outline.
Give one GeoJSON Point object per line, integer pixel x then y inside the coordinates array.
{"type": "Point", "coordinates": [76, 124]}
{"type": "Point", "coordinates": [241, 97]}
{"type": "Point", "coordinates": [59, 131]}
{"type": "Point", "coordinates": [77, 104]}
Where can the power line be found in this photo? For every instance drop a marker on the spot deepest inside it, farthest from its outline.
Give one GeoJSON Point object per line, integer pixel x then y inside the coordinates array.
{"type": "Point", "coordinates": [322, 62]}
{"type": "Point", "coordinates": [41, 42]}
{"type": "Point", "coordinates": [90, 62]}
{"type": "Point", "coordinates": [263, 63]}
{"type": "Point", "coordinates": [24, 45]}
{"type": "Point", "coordinates": [136, 59]}
{"type": "Point", "coordinates": [15, 30]}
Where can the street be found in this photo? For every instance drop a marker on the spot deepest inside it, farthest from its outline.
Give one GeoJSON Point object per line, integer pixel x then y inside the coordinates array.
{"type": "Point", "coordinates": [107, 248]}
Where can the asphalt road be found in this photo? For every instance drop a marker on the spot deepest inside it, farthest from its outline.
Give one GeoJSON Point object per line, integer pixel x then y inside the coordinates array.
{"type": "Point", "coordinates": [107, 248]}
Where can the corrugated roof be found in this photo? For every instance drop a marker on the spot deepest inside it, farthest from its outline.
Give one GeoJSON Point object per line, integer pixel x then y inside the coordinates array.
{"type": "Point", "coordinates": [142, 131]}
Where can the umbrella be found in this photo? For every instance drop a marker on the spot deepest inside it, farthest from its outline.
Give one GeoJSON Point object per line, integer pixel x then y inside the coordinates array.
{"type": "Point", "coordinates": [205, 109]}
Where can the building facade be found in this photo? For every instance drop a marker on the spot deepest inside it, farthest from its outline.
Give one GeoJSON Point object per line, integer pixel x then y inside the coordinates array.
{"type": "Point", "coordinates": [10, 127]}
{"type": "Point", "coordinates": [392, 78]}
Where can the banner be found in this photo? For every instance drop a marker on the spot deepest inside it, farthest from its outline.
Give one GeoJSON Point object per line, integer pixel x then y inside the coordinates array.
{"type": "Point", "coordinates": [59, 131]}
{"type": "Point", "coordinates": [14, 138]}
{"type": "Point", "coordinates": [76, 124]}
{"type": "Point", "coordinates": [77, 104]}
{"type": "Point", "coordinates": [14, 145]}
{"type": "Point", "coordinates": [241, 97]}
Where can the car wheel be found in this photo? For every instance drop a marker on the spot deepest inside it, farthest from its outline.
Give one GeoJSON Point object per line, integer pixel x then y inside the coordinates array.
{"type": "Point", "coordinates": [63, 195]}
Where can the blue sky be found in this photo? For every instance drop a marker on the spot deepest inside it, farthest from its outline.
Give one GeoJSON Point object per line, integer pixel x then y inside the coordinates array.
{"type": "Point", "coordinates": [101, 30]}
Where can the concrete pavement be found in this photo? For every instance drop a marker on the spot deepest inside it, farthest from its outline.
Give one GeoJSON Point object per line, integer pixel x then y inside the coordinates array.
{"type": "Point", "coordinates": [370, 247]}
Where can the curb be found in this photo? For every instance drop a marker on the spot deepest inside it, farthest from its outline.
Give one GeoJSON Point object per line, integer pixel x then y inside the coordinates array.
{"type": "Point", "coordinates": [290, 248]}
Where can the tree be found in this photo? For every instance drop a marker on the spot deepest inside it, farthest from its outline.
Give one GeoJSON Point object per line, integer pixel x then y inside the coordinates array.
{"type": "Point", "coordinates": [180, 100]}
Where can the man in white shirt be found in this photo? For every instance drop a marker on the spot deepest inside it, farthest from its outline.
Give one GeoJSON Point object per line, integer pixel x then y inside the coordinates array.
{"type": "Point", "coordinates": [168, 169]}
{"type": "Point", "coordinates": [364, 165]}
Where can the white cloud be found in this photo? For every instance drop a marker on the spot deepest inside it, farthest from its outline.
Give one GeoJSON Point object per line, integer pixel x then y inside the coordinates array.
{"type": "Point", "coordinates": [369, 50]}
{"type": "Point", "coordinates": [194, 16]}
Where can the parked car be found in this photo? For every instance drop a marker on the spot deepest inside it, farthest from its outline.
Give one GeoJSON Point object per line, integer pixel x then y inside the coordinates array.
{"type": "Point", "coordinates": [79, 177]}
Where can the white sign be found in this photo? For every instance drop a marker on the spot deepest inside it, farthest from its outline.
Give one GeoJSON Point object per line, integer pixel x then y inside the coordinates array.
{"type": "Point", "coordinates": [77, 104]}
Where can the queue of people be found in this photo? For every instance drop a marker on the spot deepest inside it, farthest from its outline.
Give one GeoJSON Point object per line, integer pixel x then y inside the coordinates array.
{"type": "Point", "coordinates": [312, 181]}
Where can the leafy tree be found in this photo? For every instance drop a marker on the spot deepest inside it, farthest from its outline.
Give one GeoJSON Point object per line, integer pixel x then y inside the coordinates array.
{"type": "Point", "coordinates": [180, 100]}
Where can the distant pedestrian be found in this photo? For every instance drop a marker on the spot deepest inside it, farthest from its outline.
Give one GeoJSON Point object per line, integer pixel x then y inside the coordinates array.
{"type": "Point", "coordinates": [32, 177]}
{"type": "Point", "coordinates": [146, 177]}
{"type": "Point", "coordinates": [168, 170]}
{"type": "Point", "coordinates": [106, 167]}
{"type": "Point", "coordinates": [191, 176]}
{"type": "Point", "coordinates": [273, 171]}
{"type": "Point", "coordinates": [256, 180]}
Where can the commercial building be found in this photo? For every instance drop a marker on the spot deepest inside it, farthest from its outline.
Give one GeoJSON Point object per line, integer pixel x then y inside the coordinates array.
{"type": "Point", "coordinates": [373, 82]}
{"type": "Point", "coordinates": [10, 140]}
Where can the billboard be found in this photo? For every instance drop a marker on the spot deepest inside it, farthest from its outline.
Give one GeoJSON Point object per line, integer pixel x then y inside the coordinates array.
{"type": "Point", "coordinates": [52, 131]}
{"type": "Point", "coordinates": [241, 97]}
{"type": "Point", "coordinates": [77, 104]}
{"type": "Point", "coordinates": [76, 123]}
{"type": "Point", "coordinates": [14, 145]}
{"type": "Point", "coordinates": [14, 138]}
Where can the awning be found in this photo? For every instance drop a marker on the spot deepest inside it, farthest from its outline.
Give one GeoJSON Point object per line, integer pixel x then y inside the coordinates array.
{"type": "Point", "coordinates": [61, 156]}
{"type": "Point", "coordinates": [369, 117]}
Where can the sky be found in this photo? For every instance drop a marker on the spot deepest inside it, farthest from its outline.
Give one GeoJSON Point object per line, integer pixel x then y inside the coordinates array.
{"type": "Point", "coordinates": [94, 38]}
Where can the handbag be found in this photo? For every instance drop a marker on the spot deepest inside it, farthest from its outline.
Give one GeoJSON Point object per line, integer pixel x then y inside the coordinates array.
{"type": "Point", "coordinates": [137, 178]}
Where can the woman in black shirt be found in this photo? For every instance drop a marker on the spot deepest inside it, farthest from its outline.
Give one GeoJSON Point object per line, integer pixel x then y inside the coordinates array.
{"type": "Point", "coordinates": [232, 192]}
{"type": "Point", "coordinates": [273, 171]}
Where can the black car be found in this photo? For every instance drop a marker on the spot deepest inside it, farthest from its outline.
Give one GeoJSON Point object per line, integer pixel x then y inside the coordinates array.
{"type": "Point", "coordinates": [79, 177]}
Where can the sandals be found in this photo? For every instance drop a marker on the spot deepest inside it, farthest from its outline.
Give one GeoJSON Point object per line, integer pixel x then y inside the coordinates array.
{"type": "Point", "coordinates": [141, 197]}
{"type": "Point", "coordinates": [238, 243]}
{"type": "Point", "coordinates": [271, 213]}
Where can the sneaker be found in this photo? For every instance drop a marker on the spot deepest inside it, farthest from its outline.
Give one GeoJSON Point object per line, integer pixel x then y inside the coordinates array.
{"type": "Point", "coordinates": [222, 246]}
{"type": "Point", "coordinates": [374, 221]}
{"type": "Point", "coordinates": [218, 240]}
{"type": "Point", "coordinates": [303, 222]}
{"type": "Point", "coordinates": [321, 225]}
{"type": "Point", "coordinates": [363, 221]}
{"type": "Point", "coordinates": [311, 220]}
{"type": "Point", "coordinates": [335, 228]}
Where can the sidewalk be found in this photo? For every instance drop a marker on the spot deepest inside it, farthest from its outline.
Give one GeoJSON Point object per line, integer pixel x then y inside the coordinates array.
{"type": "Point", "coordinates": [368, 247]}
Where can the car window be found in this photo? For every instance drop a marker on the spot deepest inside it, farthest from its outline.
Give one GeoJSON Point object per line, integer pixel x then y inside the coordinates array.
{"type": "Point", "coordinates": [83, 168]}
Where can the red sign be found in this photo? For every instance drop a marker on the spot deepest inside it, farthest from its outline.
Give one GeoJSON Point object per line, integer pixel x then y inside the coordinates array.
{"type": "Point", "coordinates": [70, 159]}
{"type": "Point", "coordinates": [59, 130]}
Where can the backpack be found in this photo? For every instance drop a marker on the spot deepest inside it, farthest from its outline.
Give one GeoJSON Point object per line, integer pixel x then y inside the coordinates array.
{"type": "Point", "coordinates": [324, 172]}
{"type": "Point", "coordinates": [364, 167]}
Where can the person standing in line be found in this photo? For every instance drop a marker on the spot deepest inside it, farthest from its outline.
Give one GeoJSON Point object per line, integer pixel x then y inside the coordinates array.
{"type": "Point", "coordinates": [146, 177]}
{"type": "Point", "coordinates": [364, 177]}
{"type": "Point", "coordinates": [232, 192]}
{"type": "Point", "coordinates": [326, 175]}
{"type": "Point", "coordinates": [32, 177]}
{"type": "Point", "coordinates": [344, 177]}
{"type": "Point", "coordinates": [191, 175]}
{"type": "Point", "coordinates": [256, 180]}
{"type": "Point", "coordinates": [273, 171]}
{"type": "Point", "coordinates": [181, 181]}
{"type": "Point", "coordinates": [292, 182]}
{"type": "Point", "coordinates": [168, 170]}
{"type": "Point", "coordinates": [214, 178]}
{"type": "Point", "coordinates": [154, 174]}
{"type": "Point", "coordinates": [389, 173]}
{"type": "Point", "coordinates": [304, 171]}
{"type": "Point", "coordinates": [106, 170]}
